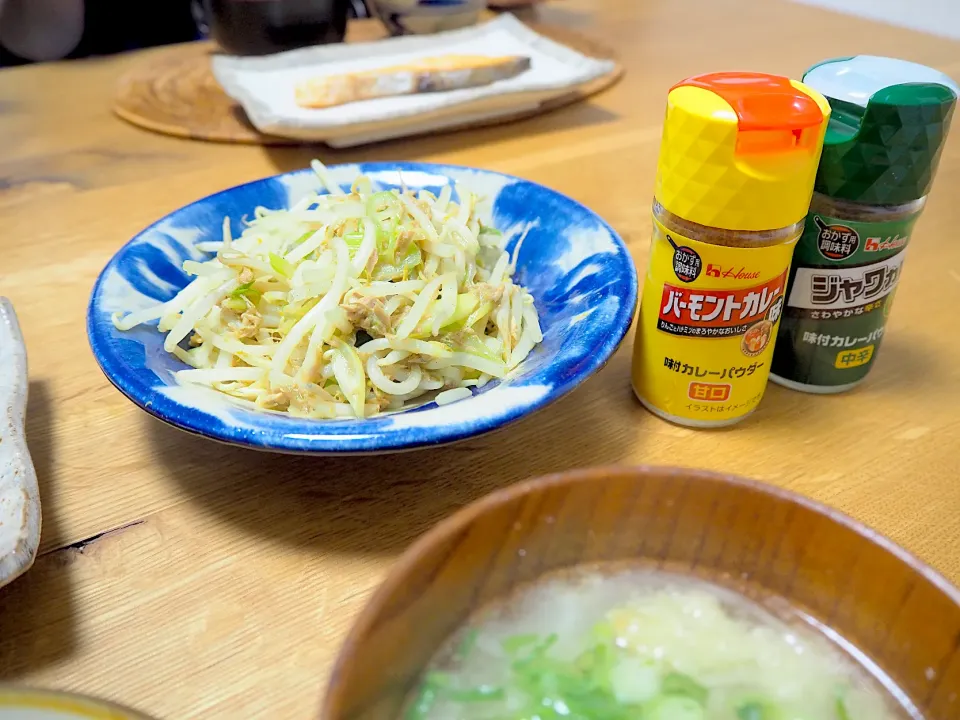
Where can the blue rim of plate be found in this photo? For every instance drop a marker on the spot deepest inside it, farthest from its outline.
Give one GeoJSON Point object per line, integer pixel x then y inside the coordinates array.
{"type": "Point", "coordinates": [124, 358]}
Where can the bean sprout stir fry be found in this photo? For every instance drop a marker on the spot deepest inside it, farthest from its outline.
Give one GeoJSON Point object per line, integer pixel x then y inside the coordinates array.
{"type": "Point", "coordinates": [350, 304]}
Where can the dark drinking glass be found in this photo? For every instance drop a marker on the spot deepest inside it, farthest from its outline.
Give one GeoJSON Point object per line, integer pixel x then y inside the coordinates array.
{"type": "Point", "coordinates": [259, 27]}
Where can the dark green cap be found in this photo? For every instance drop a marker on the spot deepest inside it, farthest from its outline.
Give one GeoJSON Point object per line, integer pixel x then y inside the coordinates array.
{"type": "Point", "coordinates": [888, 124]}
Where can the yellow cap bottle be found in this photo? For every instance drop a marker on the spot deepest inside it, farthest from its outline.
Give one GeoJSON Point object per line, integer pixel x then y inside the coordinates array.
{"type": "Point", "coordinates": [737, 164]}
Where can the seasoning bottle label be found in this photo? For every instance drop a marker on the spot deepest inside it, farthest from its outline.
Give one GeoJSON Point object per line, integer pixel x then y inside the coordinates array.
{"type": "Point", "coordinates": [839, 297]}
{"type": "Point", "coordinates": [708, 321]}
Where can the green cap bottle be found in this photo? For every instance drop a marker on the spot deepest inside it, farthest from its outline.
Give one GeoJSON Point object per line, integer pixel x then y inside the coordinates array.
{"type": "Point", "coordinates": [890, 119]}
{"type": "Point", "coordinates": [887, 129]}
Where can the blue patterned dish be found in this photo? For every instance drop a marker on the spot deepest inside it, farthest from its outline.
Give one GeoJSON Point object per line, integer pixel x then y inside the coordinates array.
{"type": "Point", "coordinates": [573, 263]}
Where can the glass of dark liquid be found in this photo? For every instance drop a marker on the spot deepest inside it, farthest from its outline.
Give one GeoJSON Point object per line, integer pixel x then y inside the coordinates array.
{"type": "Point", "coordinates": [260, 27]}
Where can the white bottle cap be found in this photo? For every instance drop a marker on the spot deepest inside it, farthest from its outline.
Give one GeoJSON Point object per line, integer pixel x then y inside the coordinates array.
{"type": "Point", "coordinates": [857, 78]}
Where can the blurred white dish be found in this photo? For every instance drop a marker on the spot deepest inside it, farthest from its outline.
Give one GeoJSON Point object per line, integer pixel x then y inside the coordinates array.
{"type": "Point", "coordinates": [419, 17]}
{"type": "Point", "coordinates": [23, 704]}
{"type": "Point", "coordinates": [264, 86]}
{"type": "Point", "coordinates": [19, 496]}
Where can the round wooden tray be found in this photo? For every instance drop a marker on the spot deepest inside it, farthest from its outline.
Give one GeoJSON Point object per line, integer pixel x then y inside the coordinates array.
{"type": "Point", "coordinates": [175, 93]}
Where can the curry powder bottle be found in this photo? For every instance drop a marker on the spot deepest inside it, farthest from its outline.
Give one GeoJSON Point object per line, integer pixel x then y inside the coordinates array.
{"type": "Point", "coordinates": [737, 164]}
{"type": "Point", "coordinates": [883, 143]}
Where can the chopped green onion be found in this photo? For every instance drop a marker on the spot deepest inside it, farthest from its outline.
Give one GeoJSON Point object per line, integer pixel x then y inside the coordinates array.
{"type": "Point", "coordinates": [385, 209]}
{"type": "Point", "coordinates": [300, 240]}
{"type": "Point", "coordinates": [479, 314]}
{"type": "Point", "coordinates": [420, 708]}
{"type": "Point", "coordinates": [513, 644]}
{"type": "Point", "coordinates": [247, 291]}
{"type": "Point", "coordinates": [541, 648]}
{"type": "Point", "coordinates": [348, 371]}
{"type": "Point", "coordinates": [235, 304]}
{"type": "Point", "coordinates": [282, 266]}
{"type": "Point", "coordinates": [354, 239]}
{"type": "Point", "coordinates": [297, 310]}
{"type": "Point", "coordinates": [240, 290]}
{"type": "Point", "coordinates": [475, 346]}
{"type": "Point", "coordinates": [684, 686]}
{"type": "Point", "coordinates": [391, 270]}
{"type": "Point", "coordinates": [675, 707]}
{"type": "Point", "coordinates": [466, 303]}
{"type": "Point", "coordinates": [439, 679]}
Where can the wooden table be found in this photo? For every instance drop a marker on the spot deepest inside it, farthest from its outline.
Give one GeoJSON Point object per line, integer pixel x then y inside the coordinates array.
{"type": "Point", "coordinates": [191, 579]}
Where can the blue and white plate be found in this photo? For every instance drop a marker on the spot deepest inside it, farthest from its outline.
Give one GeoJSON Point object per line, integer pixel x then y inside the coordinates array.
{"type": "Point", "coordinates": [574, 264]}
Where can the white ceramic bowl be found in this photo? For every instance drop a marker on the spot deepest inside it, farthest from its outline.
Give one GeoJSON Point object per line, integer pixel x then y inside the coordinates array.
{"type": "Point", "coordinates": [25, 704]}
{"type": "Point", "coordinates": [419, 17]}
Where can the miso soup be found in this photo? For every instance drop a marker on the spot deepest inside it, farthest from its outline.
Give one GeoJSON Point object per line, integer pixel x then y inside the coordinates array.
{"type": "Point", "coordinates": [644, 645]}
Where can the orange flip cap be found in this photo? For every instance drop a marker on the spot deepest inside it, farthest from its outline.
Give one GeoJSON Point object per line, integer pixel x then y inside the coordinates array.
{"type": "Point", "coordinates": [761, 101]}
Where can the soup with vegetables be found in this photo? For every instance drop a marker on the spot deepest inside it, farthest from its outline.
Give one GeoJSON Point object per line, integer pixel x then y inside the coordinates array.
{"type": "Point", "coordinates": [642, 645]}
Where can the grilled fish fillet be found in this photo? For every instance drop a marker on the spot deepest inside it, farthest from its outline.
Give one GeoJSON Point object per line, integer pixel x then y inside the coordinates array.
{"type": "Point", "coordinates": [448, 72]}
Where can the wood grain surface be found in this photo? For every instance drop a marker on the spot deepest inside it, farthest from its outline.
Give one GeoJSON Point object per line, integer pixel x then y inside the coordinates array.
{"type": "Point", "coordinates": [174, 91]}
{"type": "Point", "coordinates": [752, 538]}
{"type": "Point", "coordinates": [194, 580]}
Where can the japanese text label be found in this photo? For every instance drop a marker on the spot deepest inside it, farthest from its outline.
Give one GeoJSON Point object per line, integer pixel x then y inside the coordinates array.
{"type": "Point", "coordinates": [837, 309]}
{"type": "Point", "coordinates": [704, 347]}
{"type": "Point", "coordinates": [717, 312]}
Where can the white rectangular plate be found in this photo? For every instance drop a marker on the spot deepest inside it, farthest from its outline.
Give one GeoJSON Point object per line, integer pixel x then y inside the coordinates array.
{"type": "Point", "coordinates": [264, 86]}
